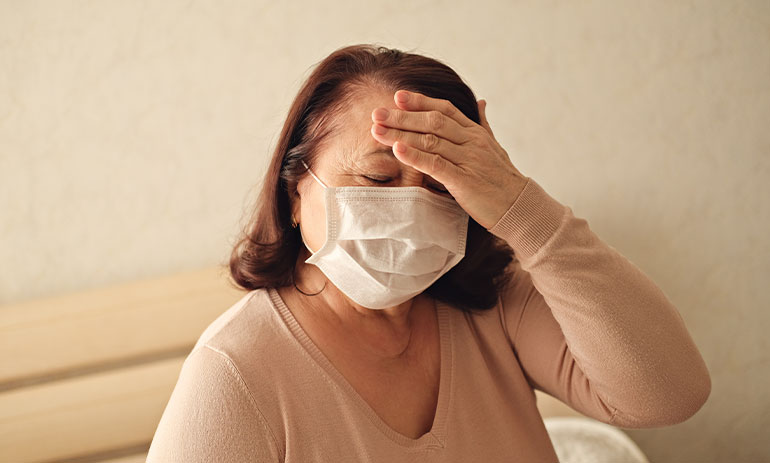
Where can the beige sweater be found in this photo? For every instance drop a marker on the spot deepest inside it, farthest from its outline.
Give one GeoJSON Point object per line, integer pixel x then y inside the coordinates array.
{"type": "Point", "coordinates": [579, 322]}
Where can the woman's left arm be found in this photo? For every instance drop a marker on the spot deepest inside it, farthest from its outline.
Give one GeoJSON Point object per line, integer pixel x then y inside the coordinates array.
{"type": "Point", "coordinates": [589, 327]}
{"type": "Point", "coordinates": [614, 336]}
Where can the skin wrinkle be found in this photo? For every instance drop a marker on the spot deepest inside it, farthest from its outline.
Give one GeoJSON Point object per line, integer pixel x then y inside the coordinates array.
{"type": "Point", "coordinates": [585, 305]}
{"type": "Point", "coordinates": [379, 160]}
{"type": "Point", "coordinates": [344, 160]}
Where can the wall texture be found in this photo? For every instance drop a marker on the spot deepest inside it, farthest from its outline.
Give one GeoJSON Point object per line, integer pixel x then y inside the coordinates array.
{"type": "Point", "coordinates": [133, 135]}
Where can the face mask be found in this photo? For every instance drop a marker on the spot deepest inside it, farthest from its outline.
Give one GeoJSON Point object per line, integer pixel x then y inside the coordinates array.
{"type": "Point", "coordinates": [385, 245]}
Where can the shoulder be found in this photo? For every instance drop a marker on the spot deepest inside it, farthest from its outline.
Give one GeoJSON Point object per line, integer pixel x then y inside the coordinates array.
{"type": "Point", "coordinates": [233, 315]}
{"type": "Point", "coordinates": [251, 326]}
{"type": "Point", "coordinates": [218, 406]}
{"type": "Point", "coordinates": [254, 340]}
{"type": "Point", "coordinates": [211, 416]}
{"type": "Point", "coordinates": [253, 337]}
{"type": "Point", "coordinates": [513, 295]}
{"type": "Point", "coordinates": [519, 281]}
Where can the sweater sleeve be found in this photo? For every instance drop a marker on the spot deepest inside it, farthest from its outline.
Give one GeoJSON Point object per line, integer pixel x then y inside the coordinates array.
{"type": "Point", "coordinates": [211, 416]}
{"type": "Point", "coordinates": [589, 327]}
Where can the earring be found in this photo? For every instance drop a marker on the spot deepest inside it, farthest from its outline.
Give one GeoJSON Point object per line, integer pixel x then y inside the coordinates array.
{"type": "Point", "coordinates": [293, 222]}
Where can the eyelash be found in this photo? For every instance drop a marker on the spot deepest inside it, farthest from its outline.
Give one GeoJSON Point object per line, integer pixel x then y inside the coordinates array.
{"type": "Point", "coordinates": [375, 180]}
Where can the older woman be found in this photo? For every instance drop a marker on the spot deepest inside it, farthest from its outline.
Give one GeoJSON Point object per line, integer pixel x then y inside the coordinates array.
{"type": "Point", "coordinates": [409, 288]}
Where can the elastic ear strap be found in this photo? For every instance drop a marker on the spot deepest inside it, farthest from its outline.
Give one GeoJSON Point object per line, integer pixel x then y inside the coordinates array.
{"type": "Point", "coordinates": [311, 173]}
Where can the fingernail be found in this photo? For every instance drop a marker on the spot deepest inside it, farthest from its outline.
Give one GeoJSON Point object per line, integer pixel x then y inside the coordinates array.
{"type": "Point", "coordinates": [402, 96]}
{"type": "Point", "coordinates": [381, 114]}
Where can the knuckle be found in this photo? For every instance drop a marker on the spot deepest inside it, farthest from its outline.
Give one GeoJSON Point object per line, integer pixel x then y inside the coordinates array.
{"type": "Point", "coordinates": [399, 116]}
{"type": "Point", "coordinates": [449, 108]}
{"type": "Point", "coordinates": [435, 120]}
{"type": "Point", "coordinates": [478, 132]}
{"type": "Point", "coordinates": [477, 135]}
{"type": "Point", "coordinates": [430, 141]}
{"type": "Point", "coordinates": [437, 164]}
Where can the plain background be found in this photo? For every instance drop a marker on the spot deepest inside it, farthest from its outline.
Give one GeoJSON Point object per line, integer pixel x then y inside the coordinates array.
{"type": "Point", "coordinates": [133, 136]}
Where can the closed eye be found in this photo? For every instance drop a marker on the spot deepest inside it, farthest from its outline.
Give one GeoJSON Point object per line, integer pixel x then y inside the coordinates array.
{"type": "Point", "coordinates": [388, 180]}
{"type": "Point", "coordinates": [378, 180]}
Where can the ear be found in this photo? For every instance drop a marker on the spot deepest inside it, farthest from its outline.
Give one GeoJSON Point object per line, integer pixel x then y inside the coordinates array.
{"type": "Point", "coordinates": [295, 202]}
{"type": "Point", "coordinates": [296, 206]}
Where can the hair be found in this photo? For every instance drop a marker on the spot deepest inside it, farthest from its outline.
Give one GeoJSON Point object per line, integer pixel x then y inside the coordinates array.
{"type": "Point", "coordinates": [267, 251]}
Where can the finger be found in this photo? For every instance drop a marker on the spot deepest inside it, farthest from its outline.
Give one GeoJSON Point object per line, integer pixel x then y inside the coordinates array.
{"type": "Point", "coordinates": [426, 142]}
{"type": "Point", "coordinates": [435, 165]}
{"type": "Point", "coordinates": [413, 101]}
{"type": "Point", "coordinates": [483, 115]}
{"type": "Point", "coordinates": [422, 121]}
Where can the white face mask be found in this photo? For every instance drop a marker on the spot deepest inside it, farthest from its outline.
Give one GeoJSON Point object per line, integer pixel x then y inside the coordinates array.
{"type": "Point", "coordinates": [385, 245]}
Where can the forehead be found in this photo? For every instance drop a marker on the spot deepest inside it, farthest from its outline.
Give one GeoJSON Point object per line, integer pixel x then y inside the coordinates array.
{"type": "Point", "coordinates": [352, 140]}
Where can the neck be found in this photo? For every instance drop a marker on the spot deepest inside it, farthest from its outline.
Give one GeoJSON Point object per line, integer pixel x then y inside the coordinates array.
{"type": "Point", "coordinates": [384, 332]}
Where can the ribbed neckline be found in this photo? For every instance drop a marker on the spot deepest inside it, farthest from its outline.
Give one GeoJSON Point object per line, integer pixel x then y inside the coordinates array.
{"type": "Point", "coordinates": [436, 437]}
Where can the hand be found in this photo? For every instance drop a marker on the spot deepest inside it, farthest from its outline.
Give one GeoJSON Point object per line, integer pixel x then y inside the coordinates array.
{"type": "Point", "coordinates": [436, 138]}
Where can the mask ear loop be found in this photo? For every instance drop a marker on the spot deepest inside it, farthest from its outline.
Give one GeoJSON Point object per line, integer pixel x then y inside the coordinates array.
{"type": "Point", "coordinates": [311, 173]}
{"type": "Point", "coordinates": [293, 281]}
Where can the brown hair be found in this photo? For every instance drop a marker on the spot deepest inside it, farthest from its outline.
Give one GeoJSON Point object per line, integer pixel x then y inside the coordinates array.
{"type": "Point", "coordinates": [267, 251]}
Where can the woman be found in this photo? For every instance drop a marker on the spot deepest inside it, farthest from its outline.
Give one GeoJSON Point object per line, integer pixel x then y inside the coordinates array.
{"type": "Point", "coordinates": [409, 288]}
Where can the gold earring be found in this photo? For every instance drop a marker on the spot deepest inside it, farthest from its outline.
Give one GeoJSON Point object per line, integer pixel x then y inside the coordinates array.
{"type": "Point", "coordinates": [293, 222]}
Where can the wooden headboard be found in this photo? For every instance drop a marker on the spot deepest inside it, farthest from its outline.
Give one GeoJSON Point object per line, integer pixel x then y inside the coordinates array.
{"type": "Point", "coordinates": [85, 377]}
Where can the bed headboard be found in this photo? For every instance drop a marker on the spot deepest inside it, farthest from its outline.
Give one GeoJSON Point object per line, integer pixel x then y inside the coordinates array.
{"type": "Point", "coordinates": [86, 376]}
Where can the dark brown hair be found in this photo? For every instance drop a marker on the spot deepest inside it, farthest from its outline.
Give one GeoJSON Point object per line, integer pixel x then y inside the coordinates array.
{"type": "Point", "coordinates": [267, 251]}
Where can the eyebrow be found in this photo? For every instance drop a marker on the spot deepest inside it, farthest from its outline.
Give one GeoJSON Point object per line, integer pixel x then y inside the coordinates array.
{"type": "Point", "coordinates": [388, 151]}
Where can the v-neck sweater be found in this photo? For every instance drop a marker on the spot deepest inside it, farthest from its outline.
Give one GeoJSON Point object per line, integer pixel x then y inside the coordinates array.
{"type": "Point", "coordinates": [578, 321]}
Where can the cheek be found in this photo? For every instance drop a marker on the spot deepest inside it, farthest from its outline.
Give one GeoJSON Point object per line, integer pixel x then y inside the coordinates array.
{"type": "Point", "coordinates": [313, 222]}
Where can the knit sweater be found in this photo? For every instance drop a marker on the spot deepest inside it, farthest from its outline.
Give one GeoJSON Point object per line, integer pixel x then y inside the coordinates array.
{"type": "Point", "coordinates": [578, 321]}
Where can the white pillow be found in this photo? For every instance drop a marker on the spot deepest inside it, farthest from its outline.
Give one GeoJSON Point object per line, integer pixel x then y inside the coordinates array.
{"type": "Point", "coordinates": [585, 440]}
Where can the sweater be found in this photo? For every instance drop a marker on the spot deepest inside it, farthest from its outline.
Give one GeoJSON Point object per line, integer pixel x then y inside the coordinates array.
{"type": "Point", "coordinates": [577, 321]}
